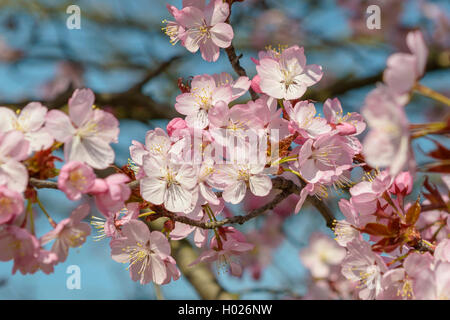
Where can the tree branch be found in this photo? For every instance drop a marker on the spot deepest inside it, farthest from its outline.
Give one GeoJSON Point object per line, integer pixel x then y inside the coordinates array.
{"type": "Point", "coordinates": [199, 275]}
{"type": "Point", "coordinates": [234, 59]}
{"type": "Point", "coordinates": [143, 106]}
{"type": "Point", "coordinates": [287, 188]}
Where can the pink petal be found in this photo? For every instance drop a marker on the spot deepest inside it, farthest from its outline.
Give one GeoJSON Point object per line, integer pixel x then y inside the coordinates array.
{"type": "Point", "coordinates": [80, 106]}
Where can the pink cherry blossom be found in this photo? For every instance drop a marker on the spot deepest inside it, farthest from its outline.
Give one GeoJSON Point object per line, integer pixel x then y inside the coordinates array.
{"type": "Point", "coordinates": [173, 29]}
{"type": "Point", "coordinates": [13, 149]}
{"type": "Point", "coordinates": [86, 132]}
{"type": "Point", "coordinates": [345, 229]}
{"type": "Point", "coordinates": [173, 273]}
{"type": "Point", "coordinates": [30, 122]}
{"type": "Point", "coordinates": [147, 253]}
{"type": "Point", "coordinates": [111, 193]}
{"type": "Point", "coordinates": [327, 155]}
{"type": "Point", "coordinates": [157, 143]}
{"type": "Point", "coordinates": [236, 178]}
{"type": "Point", "coordinates": [304, 121]}
{"type": "Point", "coordinates": [224, 251]}
{"type": "Point", "coordinates": [169, 183]}
{"type": "Point", "coordinates": [44, 260]}
{"type": "Point", "coordinates": [402, 184]}
{"type": "Point", "coordinates": [442, 251]}
{"type": "Point", "coordinates": [202, 27]}
{"type": "Point", "coordinates": [349, 124]}
{"type": "Point", "coordinates": [175, 125]}
{"type": "Point", "coordinates": [239, 87]}
{"type": "Point", "coordinates": [321, 254]}
{"type": "Point", "coordinates": [114, 222]}
{"type": "Point", "coordinates": [255, 84]}
{"type": "Point", "coordinates": [11, 205]}
{"type": "Point", "coordinates": [205, 181]}
{"type": "Point", "coordinates": [241, 123]}
{"type": "Point", "coordinates": [75, 179]}
{"type": "Point", "coordinates": [69, 233]}
{"type": "Point", "coordinates": [18, 244]}
{"type": "Point", "coordinates": [204, 96]}
{"type": "Point", "coordinates": [396, 285]}
{"type": "Point", "coordinates": [403, 70]}
{"type": "Point", "coordinates": [434, 284]}
{"type": "Point", "coordinates": [366, 194]}
{"type": "Point", "coordinates": [387, 143]}
{"type": "Point", "coordinates": [363, 265]}
{"type": "Point", "coordinates": [289, 76]}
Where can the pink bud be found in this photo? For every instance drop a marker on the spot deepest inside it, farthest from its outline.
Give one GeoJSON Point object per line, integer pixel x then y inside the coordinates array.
{"type": "Point", "coordinates": [175, 124]}
{"type": "Point", "coordinates": [346, 129]}
{"type": "Point", "coordinates": [255, 84]}
{"type": "Point", "coordinates": [403, 183]}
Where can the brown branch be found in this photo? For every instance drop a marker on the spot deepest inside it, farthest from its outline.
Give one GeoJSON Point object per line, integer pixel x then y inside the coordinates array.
{"type": "Point", "coordinates": [287, 188]}
{"type": "Point", "coordinates": [143, 106]}
{"type": "Point", "coordinates": [234, 59]}
{"type": "Point", "coordinates": [199, 275]}
{"type": "Point", "coordinates": [47, 184]}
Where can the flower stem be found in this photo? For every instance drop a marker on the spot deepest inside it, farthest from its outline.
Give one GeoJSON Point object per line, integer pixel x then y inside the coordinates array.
{"type": "Point", "coordinates": [425, 91]}
{"type": "Point", "coordinates": [158, 292]}
{"type": "Point", "coordinates": [52, 222]}
{"type": "Point", "coordinates": [30, 211]}
{"type": "Point", "coordinates": [145, 214]}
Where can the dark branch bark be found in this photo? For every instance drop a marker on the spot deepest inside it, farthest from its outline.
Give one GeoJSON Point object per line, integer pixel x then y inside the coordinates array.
{"type": "Point", "coordinates": [199, 275]}
{"type": "Point", "coordinates": [234, 60]}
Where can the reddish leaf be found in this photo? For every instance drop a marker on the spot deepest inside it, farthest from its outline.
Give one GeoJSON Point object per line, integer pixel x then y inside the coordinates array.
{"type": "Point", "coordinates": [413, 213]}
{"type": "Point", "coordinates": [433, 195]}
{"type": "Point", "coordinates": [441, 152]}
{"type": "Point", "coordinates": [377, 229]}
{"type": "Point", "coordinates": [386, 245]}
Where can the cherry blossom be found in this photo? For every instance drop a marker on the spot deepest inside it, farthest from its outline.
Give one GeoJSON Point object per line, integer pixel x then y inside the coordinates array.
{"type": "Point", "coordinates": [111, 193]}
{"type": "Point", "coordinates": [169, 183]}
{"type": "Point", "coordinates": [349, 124]}
{"type": "Point", "coordinates": [30, 121]}
{"type": "Point", "coordinates": [11, 205]}
{"type": "Point", "coordinates": [403, 69]}
{"type": "Point", "coordinates": [75, 179]}
{"type": "Point", "coordinates": [287, 77]}
{"type": "Point", "coordinates": [321, 254]}
{"type": "Point", "coordinates": [18, 244]}
{"type": "Point", "coordinates": [304, 120]}
{"type": "Point", "coordinates": [387, 143]}
{"type": "Point", "coordinates": [147, 253]}
{"type": "Point", "coordinates": [86, 132]}
{"type": "Point", "coordinates": [363, 265]}
{"type": "Point", "coordinates": [69, 233]}
{"type": "Point", "coordinates": [236, 178]}
{"type": "Point", "coordinates": [13, 149]}
{"type": "Point", "coordinates": [204, 96]}
{"type": "Point", "coordinates": [201, 26]}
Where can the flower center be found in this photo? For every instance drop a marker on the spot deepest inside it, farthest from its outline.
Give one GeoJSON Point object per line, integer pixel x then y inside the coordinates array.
{"type": "Point", "coordinates": [78, 180]}
{"type": "Point", "coordinates": [89, 129]}
{"type": "Point", "coordinates": [6, 205]}
{"type": "Point", "coordinates": [170, 178]}
{"type": "Point", "coordinates": [139, 253]}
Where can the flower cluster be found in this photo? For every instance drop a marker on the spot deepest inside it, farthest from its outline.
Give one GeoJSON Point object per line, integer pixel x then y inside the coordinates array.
{"type": "Point", "coordinates": [268, 153]}
{"type": "Point", "coordinates": [394, 261]}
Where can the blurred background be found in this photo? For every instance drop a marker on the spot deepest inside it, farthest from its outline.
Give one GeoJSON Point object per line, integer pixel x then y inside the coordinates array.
{"type": "Point", "coordinates": [121, 53]}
